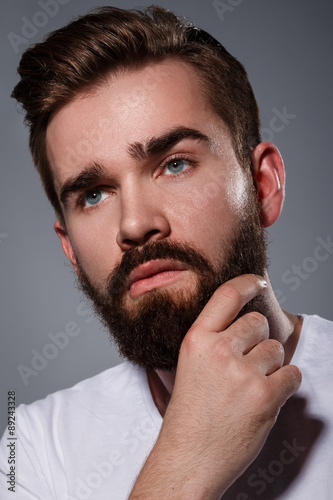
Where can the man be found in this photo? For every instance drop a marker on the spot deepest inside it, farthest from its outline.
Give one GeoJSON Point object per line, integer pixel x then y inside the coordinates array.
{"type": "Point", "coordinates": [145, 132]}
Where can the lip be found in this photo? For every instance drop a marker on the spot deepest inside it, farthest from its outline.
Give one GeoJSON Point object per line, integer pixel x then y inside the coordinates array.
{"type": "Point", "coordinates": [154, 274]}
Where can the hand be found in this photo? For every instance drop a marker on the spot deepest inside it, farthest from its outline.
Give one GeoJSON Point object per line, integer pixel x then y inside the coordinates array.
{"type": "Point", "coordinates": [230, 385]}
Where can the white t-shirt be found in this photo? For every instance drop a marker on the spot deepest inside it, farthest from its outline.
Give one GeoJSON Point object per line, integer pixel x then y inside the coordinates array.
{"type": "Point", "coordinates": [91, 441]}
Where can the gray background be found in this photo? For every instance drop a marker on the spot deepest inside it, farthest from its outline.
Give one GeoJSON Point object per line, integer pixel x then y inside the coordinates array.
{"type": "Point", "coordinates": [286, 47]}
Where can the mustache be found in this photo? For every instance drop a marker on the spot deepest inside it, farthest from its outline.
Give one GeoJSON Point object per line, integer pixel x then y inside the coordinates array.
{"type": "Point", "coordinates": [118, 279]}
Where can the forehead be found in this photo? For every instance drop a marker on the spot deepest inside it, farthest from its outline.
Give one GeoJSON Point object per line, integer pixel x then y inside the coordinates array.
{"type": "Point", "coordinates": [127, 108]}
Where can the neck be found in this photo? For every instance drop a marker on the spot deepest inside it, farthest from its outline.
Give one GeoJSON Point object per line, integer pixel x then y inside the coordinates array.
{"type": "Point", "coordinates": [283, 326]}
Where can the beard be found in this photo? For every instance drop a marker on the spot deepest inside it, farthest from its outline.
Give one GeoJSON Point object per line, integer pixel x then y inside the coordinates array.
{"type": "Point", "coordinates": [150, 331]}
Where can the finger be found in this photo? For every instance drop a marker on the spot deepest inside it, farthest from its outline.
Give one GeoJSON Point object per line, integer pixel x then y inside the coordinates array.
{"type": "Point", "coordinates": [248, 331]}
{"type": "Point", "coordinates": [286, 382]}
{"type": "Point", "coordinates": [267, 356]}
{"type": "Point", "coordinates": [226, 302]}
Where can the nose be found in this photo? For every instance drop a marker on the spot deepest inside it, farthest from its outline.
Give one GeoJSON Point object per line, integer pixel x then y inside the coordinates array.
{"type": "Point", "coordinates": [142, 218]}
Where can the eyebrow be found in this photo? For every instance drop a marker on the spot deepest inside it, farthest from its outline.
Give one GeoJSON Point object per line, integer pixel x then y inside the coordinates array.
{"type": "Point", "coordinates": [158, 145]}
{"type": "Point", "coordinates": [86, 179]}
{"type": "Point", "coordinates": [139, 151]}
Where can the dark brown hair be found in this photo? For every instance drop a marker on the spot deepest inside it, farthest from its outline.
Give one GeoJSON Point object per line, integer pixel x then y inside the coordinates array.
{"type": "Point", "coordinates": [80, 55]}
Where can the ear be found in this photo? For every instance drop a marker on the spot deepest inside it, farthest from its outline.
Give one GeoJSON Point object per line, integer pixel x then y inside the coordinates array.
{"type": "Point", "coordinates": [66, 244]}
{"type": "Point", "coordinates": [269, 177]}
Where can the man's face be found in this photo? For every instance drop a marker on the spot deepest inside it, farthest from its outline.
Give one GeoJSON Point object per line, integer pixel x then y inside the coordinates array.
{"type": "Point", "coordinates": [142, 164]}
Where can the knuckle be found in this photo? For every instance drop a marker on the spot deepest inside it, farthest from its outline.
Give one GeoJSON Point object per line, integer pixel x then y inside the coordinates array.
{"type": "Point", "coordinates": [296, 373]}
{"type": "Point", "coordinates": [275, 351]}
{"type": "Point", "coordinates": [191, 339]}
{"type": "Point", "coordinates": [258, 393]}
{"type": "Point", "coordinates": [254, 279]}
{"type": "Point", "coordinates": [231, 292]}
{"type": "Point", "coordinates": [295, 376]}
{"type": "Point", "coordinates": [264, 396]}
{"type": "Point", "coordinates": [257, 319]}
{"type": "Point", "coordinates": [257, 316]}
{"type": "Point", "coordinates": [224, 348]}
{"type": "Point", "coordinates": [276, 346]}
{"type": "Point", "coordinates": [272, 349]}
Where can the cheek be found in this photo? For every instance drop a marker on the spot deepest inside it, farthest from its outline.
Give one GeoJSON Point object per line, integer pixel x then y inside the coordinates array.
{"type": "Point", "coordinates": [95, 248]}
{"type": "Point", "coordinates": [207, 216]}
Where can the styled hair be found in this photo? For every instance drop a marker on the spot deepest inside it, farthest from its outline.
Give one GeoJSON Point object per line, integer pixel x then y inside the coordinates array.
{"type": "Point", "coordinates": [107, 40]}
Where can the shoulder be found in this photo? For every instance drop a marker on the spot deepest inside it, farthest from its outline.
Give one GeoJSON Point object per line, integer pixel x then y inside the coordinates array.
{"type": "Point", "coordinates": [316, 325]}
{"type": "Point", "coordinates": [100, 392]}
{"type": "Point", "coordinates": [315, 344]}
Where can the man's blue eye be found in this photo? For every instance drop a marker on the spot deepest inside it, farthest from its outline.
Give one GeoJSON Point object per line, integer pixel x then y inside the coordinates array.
{"type": "Point", "coordinates": [93, 197]}
{"type": "Point", "coordinates": [176, 166]}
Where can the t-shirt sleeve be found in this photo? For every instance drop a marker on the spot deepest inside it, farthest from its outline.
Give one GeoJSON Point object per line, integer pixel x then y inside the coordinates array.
{"type": "Point", "coordinates": [21, 475]}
